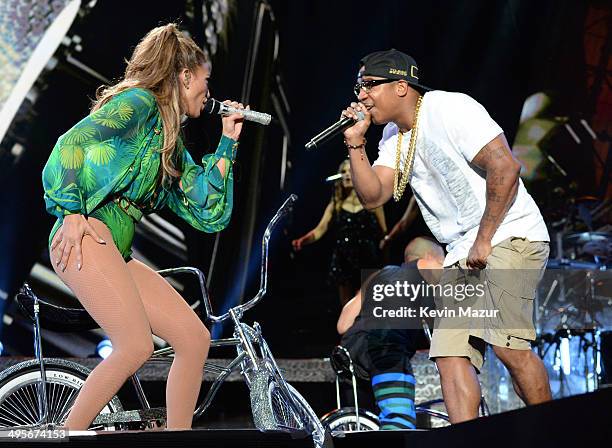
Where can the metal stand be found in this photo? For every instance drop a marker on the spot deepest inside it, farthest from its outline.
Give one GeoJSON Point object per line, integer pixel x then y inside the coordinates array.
{"type": "Point", "coordinates": [41, 387]}
{"type": "Point", "coordinates": [351, 368]}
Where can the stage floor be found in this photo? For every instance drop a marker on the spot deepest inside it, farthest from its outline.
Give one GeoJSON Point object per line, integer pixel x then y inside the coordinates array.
{"type": "Point", "coordinates": [575, 421]}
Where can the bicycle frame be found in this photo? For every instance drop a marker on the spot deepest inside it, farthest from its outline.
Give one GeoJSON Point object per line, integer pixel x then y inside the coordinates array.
{"type": "Point", "coordinates": [242, 341]}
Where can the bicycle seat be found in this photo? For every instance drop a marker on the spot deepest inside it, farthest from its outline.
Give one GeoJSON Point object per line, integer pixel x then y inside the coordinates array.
{"type": "Point", "coordinates": [67, 315]}
{"type": "Point", "coordinates": [341, 361]}
{"type": "Point", "coordinates": [344, 366]}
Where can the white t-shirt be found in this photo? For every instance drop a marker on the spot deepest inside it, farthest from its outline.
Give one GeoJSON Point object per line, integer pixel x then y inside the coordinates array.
{"type": "Point", "coordinates": [450, 191]}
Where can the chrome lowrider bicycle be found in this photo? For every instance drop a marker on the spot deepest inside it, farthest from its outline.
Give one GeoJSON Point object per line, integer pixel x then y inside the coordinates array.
{"type": "Point", "coordinates": [40, 392]}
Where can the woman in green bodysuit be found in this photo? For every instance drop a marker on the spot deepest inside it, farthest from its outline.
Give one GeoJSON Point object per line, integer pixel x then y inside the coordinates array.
{"type": "Point", "coordinates": [124, 160]}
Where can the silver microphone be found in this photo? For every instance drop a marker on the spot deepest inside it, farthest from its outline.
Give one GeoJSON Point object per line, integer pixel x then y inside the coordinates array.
{"type": "Point", "coordinates": [214, 106]}
{"type": "Point", "coordinates": [333, 177]}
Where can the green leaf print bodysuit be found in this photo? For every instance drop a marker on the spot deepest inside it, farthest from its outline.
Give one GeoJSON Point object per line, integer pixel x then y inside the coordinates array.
{"type": "Point", "coordinates": [107, 167]}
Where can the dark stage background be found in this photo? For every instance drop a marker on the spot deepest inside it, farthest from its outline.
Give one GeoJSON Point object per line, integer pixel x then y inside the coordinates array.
{"type": "Point", "coordinates": [499, 52]}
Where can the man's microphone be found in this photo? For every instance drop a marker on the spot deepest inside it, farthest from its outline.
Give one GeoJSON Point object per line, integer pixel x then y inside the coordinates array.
{"type": "Point", "coordinates": [334, 129]}
{"type": "Point", "coordinates": [213, 106]}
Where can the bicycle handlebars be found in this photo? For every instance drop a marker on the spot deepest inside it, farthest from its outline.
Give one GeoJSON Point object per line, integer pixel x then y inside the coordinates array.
{"type": "Point", "coordinates": [263, 280]}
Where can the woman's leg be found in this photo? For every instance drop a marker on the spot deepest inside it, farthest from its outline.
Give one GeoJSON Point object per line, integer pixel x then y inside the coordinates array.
{"type": "Point", "coordinates": [104, 286]}
{"type": "Point", "coordinates": [173, 320]}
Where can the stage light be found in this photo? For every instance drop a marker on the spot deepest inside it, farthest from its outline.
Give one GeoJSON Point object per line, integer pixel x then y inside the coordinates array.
{"type": "Point", "coordinates": [104, 348]}
{"type": "Point", "coordinates": [503, 389]}
{"type": "Point", "coordinates": [564, 354]}
{"type": "Point", "coordinates": [534, 126]}
{"type": "Point", "coordinates": [31, 33]}
{"type": "Point", "coordinates": [215, 14]}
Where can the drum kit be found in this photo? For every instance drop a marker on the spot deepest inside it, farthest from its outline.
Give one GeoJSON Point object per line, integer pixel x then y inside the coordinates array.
{"type": "Point", "coordinates": [574, 299]}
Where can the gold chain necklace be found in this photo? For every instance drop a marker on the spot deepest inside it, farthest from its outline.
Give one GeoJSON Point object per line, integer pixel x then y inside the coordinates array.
{"type": "Point", "coordinates": [401, 179]}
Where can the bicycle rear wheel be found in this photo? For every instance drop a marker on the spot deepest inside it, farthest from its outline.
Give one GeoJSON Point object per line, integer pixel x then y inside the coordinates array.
{"type": "Point", "coordinates": [19, 399]}
{"type": "Point", "coordinates": [344, 419]}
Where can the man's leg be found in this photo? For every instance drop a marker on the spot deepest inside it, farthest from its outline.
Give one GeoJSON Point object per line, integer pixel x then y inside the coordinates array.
{"type": "Point", "coordinates": [392, 379]}
{"type": "Point", "coordinates": [460, 388]}
{"type": "Point", "coordinates": [528, 372]}
{"type": "Point", "coordinates": [517, 390]}
{"type": "Point", "coordinates": [516, 267]}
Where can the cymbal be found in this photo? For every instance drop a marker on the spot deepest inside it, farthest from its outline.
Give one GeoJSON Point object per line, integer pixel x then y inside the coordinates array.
{"type": "Point", "coordinates": [586, 237]}
{"type": "Point", "coordinates": [553, 263]}
{"type": "Point", "coordinates": [587, 199]}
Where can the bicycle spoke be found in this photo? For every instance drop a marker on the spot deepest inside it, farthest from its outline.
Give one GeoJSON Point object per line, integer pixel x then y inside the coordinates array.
{"type": "Point", "coordinates": [64, 396]}
{"type": "Point", "coordinates": [9, 422]}
{"type": "Point", "coordinates": [24, 406]}
{"type": "Point", "coordinates": [31, 393]}
{"type": "Point", "coordinates": [67, 406]}
{"type": "Point", "coordinates": [21, 404]}
{"type": "Point", "coordinates": [55, 391]}
{"type": "Point", "coordinates": [13, 409]}
{"type": "Point", "coordinates": [4, 408]}
{"type": "Point", "coordinates": [6, 421]}
{"type": "Point", "coordinates": [18, 406]}
{"type": "Point", "coordinates": [50, 400]}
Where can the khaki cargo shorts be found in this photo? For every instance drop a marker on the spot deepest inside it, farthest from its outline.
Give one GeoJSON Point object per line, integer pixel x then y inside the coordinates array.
{"type": "Point", "coordinates": [508, 284]}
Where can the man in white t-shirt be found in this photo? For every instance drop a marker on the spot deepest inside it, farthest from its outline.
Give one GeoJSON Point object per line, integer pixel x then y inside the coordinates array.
{"type": "Point", "coordinates": [466, 184]}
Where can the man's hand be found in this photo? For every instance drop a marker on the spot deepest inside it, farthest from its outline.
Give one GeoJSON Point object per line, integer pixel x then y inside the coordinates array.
{"type": "Point", "coordinates": [477, 257]}
{"type": "Point", "coordinates": [356, 133]}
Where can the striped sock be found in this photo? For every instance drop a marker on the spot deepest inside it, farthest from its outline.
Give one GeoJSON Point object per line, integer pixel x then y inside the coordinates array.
{"type": "Point", "coordinates": [394, 393]}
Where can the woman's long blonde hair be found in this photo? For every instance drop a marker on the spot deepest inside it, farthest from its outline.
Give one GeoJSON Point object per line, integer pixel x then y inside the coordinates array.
{"type": "Point", "coordinates": [155, 65]}
{"type": "Point", "coordinates": [340, 192]}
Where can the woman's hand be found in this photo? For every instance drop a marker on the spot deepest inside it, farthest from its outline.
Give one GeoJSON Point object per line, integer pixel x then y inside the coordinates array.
{"type": "Point", "coordinates": [70, 235]}
{"type": "Point", "coordinates": [232, 124]}
{"type": "Point", "coordinates": [384, 242]}
{"type": "Point", "coordinates": [398, 228]}
{"type": "Point", "coordinates": [297, 244]}
{"type": "Point", "coordinates": [302, 241]}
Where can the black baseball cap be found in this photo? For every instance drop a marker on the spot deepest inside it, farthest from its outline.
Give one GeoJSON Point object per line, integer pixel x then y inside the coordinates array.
{"type": "Point", "coordinates": [392, 64]}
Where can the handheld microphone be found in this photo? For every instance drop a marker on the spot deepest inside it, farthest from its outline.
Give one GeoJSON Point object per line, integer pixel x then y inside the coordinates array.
{"type": "Point", "coordinates": [333, 177]}
{"type": "Point", "coordinates": [334, 129]}
{"type": "Point", "coordinates": [214, 106]}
